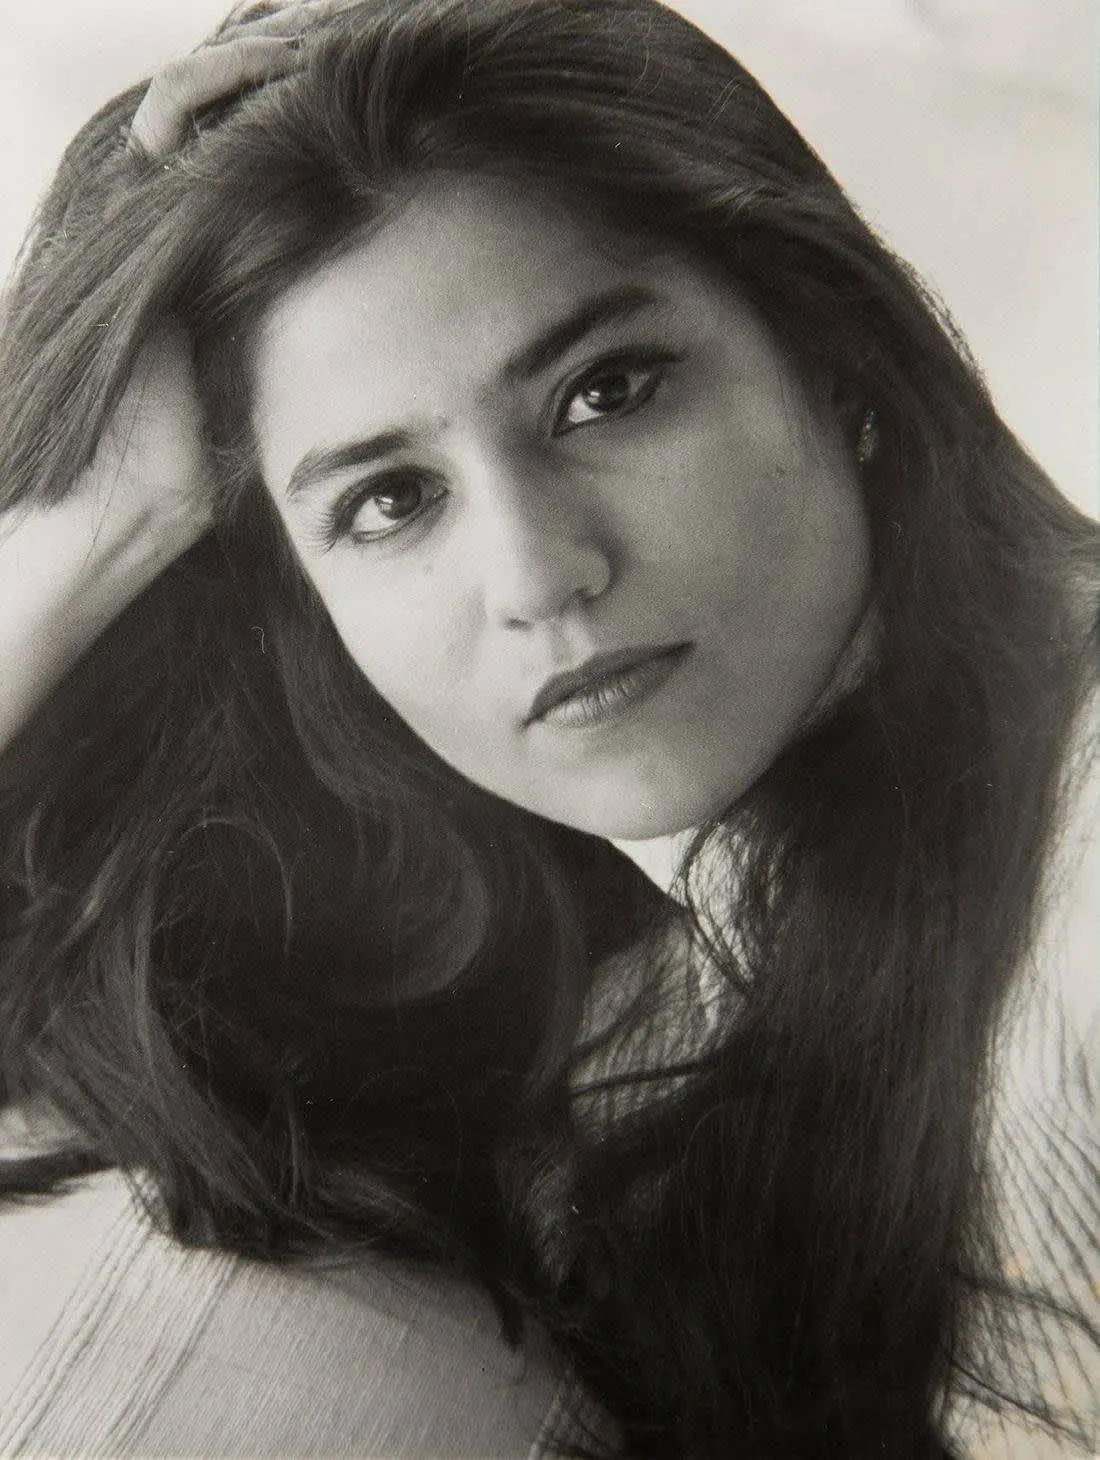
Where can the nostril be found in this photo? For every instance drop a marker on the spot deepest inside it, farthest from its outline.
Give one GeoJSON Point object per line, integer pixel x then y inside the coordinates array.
{"type": "Point", "coordinates": [533, 590]}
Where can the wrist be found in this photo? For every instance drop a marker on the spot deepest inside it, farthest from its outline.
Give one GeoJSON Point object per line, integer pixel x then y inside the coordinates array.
{"type": "Point", "coordinates": [68, 570]}
{"type": "Point", "coordinates": [93, 542]}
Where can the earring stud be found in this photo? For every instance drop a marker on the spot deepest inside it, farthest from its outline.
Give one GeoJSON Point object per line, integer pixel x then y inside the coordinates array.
{"type": "Point", "coordinates": [867, 441]}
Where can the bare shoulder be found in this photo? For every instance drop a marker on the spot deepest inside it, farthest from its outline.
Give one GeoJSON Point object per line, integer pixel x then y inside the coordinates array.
{"type": "Point", "coordinates": [119, 1341]}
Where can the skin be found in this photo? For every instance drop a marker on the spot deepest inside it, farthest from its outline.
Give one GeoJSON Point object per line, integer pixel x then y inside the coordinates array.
{"type": "Point", "coordinates": [532, 518]}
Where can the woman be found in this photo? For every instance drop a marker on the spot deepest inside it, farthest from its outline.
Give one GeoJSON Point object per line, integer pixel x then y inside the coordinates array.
{"type": "Point", "coordinates": [579, 467]}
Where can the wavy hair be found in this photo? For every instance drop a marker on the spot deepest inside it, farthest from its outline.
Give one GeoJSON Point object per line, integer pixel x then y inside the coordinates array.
{"type": "Point", "coordinates": [261, 945]}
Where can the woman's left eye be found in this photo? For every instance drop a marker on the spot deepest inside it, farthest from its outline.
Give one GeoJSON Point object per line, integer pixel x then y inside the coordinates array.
{"type": "Point", "coordinates": [613, 388]}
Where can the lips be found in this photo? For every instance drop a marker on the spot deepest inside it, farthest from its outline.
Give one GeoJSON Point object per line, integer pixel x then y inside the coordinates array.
{"type": "Point", "coordinates": [605, 685]}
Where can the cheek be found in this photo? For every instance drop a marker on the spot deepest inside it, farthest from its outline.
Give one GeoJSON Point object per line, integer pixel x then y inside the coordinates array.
{"type": "Point", "coordinates": [715, 504]}
{"type": "Point", "coordinates": [761, 530]}
{"type": "Point", "coordinates": [404, 631]}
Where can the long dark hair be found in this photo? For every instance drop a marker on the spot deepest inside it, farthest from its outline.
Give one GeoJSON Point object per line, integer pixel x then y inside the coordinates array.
{"type": "Point", "coordinates": [260, 944]}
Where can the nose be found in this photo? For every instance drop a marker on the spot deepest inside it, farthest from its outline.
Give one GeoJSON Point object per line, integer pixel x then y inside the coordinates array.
{"type": "Point", "coordinates": [543, 547]}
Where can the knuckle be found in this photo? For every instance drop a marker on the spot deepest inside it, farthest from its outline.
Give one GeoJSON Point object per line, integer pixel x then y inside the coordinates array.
{"type": "Point", "coordinates": [212, 73]}
{"type": "Point", "coordinates": [172, 81]}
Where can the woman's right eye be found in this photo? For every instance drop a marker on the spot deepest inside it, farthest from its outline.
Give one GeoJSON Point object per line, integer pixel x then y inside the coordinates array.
{"type": "Point", "coordinates": [386, 505]}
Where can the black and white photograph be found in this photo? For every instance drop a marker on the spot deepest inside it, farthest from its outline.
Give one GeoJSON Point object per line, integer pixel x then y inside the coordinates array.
{"type": "Point", "coordinates": [549, 728]}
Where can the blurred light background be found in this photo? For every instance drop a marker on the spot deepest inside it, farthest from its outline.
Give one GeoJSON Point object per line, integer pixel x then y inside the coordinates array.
{"type": "Point", "coordinates": [964, 129]}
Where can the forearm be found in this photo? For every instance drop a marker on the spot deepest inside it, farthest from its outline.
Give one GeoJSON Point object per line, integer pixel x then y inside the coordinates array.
{"type": "Point", "coordinates": [66, 572]}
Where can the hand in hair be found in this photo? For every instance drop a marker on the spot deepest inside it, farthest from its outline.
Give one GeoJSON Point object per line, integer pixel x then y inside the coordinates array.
{"type": "Point", "coordinates": [67, 571]}
{"type": "Point", "coordinates": [245, 52]}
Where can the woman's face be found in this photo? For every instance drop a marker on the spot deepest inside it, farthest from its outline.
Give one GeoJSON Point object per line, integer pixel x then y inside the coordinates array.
{"type": "Point", "coordinates": [508, 449]}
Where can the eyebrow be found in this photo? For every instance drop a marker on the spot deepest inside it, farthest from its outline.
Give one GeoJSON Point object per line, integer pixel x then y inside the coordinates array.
{"type": "Point", "coordinates": [321, 463]}
{"type": "Point", "coordinates": [545, 350]}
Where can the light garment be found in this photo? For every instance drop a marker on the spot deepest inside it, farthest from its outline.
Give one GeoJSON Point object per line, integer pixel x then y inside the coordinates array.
{"type": "Point", "coordinates": [116, 1342]}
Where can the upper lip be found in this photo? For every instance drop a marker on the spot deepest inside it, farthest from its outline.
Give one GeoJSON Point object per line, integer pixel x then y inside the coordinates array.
{"type": "Point", "coordinates": [573, 681]}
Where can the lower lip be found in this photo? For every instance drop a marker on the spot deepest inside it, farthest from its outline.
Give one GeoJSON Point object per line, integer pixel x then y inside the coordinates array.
{"type": "Point", "coordinates": [611, 698]}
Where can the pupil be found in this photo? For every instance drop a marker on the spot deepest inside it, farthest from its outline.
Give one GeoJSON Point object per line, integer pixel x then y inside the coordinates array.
{"type": "Point", "coordinates": [607, 392]}
{"type": "Point", "coordinates": [399, 501]}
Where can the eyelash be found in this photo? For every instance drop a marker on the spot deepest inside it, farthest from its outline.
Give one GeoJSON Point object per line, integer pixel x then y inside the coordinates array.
{"type": "Point", "coordinates": [339, 520]}
{"type": "Point", "coordinates": [651, 363]}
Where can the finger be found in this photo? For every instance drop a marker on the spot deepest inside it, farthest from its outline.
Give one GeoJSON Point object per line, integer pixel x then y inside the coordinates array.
{"type": "Point", "coordinates": [210, 74]}
{"type": "Point", "coordinates": [287, 20]}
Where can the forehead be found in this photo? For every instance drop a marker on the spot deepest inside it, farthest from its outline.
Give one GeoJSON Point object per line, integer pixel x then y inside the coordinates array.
{"type": "Point", "coordinates": [472, 263]}
{"type": "Point", "coordinates": [457, 236]}
{"type": "Point", "coordinates": [419, 323]}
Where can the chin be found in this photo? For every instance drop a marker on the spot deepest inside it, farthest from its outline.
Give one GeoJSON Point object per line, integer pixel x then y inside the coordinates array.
{"type": "Point", "coordinates": [638, 820]}
{"type": "Point", "coordinates": [670, 809]}
{"type": "Point", "coordinates": [644, 828]}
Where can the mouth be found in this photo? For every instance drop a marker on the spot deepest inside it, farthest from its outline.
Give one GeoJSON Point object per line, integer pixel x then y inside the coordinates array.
{"type": "Point", "coordinates": [605, 686]}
